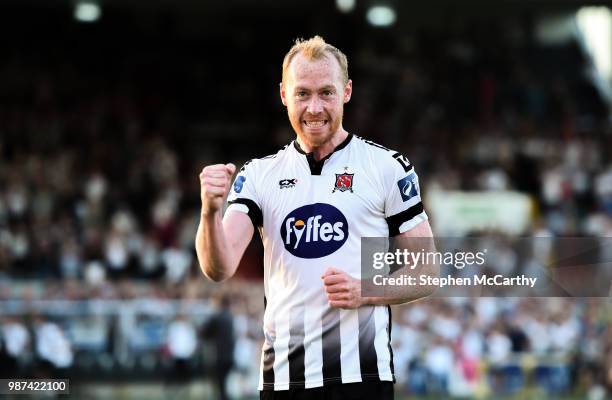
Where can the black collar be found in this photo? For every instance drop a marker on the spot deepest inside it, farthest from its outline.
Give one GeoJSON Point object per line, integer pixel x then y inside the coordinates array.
{"type": "Point", "coordinates": [317, 166]}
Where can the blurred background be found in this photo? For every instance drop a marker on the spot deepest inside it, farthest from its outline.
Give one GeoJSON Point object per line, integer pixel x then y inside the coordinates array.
{"type": "Point", "coordinates": [110, 109]}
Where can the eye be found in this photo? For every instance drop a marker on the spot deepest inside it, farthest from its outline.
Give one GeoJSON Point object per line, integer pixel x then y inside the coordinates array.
{"type": "Point", "coordinates": [301, 93]}
{"type": "Point", "coordinates": [327, 93]}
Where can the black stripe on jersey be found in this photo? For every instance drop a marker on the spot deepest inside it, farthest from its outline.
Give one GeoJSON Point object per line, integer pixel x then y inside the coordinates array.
{"type": "Point", "coordinates": [268, 359]}
{"type": "Point", "coordinates": [395, 221]}
{"type": "Point", "coordinates": [317, 166]}
{"type": "Point", "coordinates": [402, 160]}
{"type": "Point", "coordinates": [254, 213]}
{"type": "Point", "coordinates": [371, 143]}
{"type": "Point", "coordinates": [296, 348]}
{"type": "Point", "coordinates": [262, 158]}
{"type": "Point", "coordinates": [368, 361]}
{"type": "Point", "coordinates": [389, 326]}
{"type": "Point", "coordinates": [330, 337]}
{"type": "Point", "coordinates": [244, 166]}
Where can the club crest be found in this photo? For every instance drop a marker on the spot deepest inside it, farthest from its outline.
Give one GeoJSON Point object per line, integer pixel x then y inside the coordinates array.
{"type": "Point", "coordinates": [344, 182]}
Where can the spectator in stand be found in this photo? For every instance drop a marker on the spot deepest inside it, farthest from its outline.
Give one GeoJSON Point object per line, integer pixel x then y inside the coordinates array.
{"type": "Point", "coordinates": [15, 339]}
{"type": "Point", "coordinates": [53, 350]}
{"type": "Point", "coordinates": [220, 331]}
{"type": "Point", "coordinates": [439, 361]}
{"type": "Point", "coordinates": [182, 343]}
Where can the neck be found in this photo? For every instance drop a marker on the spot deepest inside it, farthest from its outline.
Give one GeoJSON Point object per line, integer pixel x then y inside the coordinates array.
{"type": "Point", "coordinates": [321, 151]}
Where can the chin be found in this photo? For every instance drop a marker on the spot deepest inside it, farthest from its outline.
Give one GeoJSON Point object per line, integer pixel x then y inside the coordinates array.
{"type": "Point", "coordinates": [317, 139]}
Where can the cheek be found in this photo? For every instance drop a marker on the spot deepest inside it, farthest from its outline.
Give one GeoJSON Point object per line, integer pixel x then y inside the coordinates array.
{"type": "Point", "coordinates": [292, 109]}
{"type": "Point", "coordinates": [336, 107]}
{"type": "Point", "coordinates": [295, 108]}
{"type": "Point", "coordinates": [294, 112]}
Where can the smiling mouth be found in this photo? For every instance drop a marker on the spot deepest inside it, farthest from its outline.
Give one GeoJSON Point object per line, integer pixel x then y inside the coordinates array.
{"type": "Point", "coordinates": [315, 124]}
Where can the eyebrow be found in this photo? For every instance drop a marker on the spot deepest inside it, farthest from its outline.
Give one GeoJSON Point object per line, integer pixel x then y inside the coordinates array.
{"type": "Point", "coordinates": [326, 87]}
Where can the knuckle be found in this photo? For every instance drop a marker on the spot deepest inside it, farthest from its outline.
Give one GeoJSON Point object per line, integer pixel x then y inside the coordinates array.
{"type": "Point", "coordinates": [211, 168]}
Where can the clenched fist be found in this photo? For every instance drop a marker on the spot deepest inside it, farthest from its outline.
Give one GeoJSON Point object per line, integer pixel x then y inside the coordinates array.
{"type": "Point", "coordinates": [215, 181]}
{"type": "Point", "coordinates": [343, 291]}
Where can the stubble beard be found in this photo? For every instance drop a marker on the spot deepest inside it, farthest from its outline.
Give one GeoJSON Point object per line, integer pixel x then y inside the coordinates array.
{"type": "Point", "coordinates": [319, 140]}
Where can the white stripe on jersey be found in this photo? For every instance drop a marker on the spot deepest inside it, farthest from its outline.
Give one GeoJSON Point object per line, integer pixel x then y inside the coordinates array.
{"type": "Point", "coordinates": [239, 207]}
{"type": "Point", "coordinates": [349, 341]}
{"type": "Point", "coordinates": [406, 226]}
{"type": "Point", "coordinates": [381, 343]}
{"type": "Point", "coordinates": [313, 368]}
{"type": "Point", "coordinates": [281, 351]}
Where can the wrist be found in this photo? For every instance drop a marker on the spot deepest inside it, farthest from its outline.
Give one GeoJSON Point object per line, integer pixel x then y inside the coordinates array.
{"type": "Point", "coordinates": [209, 215]}
{"type": "Point", "coordinates": [374, 301]}
{"type": "Point", "coordinates": [364, 301]}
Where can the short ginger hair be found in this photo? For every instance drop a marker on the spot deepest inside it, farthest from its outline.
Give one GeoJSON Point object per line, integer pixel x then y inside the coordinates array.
{"type": "Point", "coordinates": [316, 48]}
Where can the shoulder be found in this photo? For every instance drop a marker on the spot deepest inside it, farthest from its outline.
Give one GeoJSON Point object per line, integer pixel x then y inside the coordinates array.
{"type": "Point", "coordinates": [383, 157]}
{"type": "Point", "coordinates": [262, 165]}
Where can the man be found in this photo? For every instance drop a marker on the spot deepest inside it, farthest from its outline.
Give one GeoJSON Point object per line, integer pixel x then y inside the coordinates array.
{"type": "Point", "coordinates": [220, 330]}
{"type": "Point", "coordinates": [312, 202]}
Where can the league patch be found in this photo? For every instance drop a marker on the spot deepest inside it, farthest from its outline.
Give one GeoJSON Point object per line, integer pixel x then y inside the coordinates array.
{"type": "Point", "coordinates": [408, 187]}
{"type": "Point", "coordinates": [239, 183]}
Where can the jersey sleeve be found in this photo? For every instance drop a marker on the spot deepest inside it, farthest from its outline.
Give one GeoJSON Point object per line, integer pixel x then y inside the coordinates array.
{"type": "Point", "coordinates": [243, 195]}
{"type": "Point", "coordinates": [403, 205]}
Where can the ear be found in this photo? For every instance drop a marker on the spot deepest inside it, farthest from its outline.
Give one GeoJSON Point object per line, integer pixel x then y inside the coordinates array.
{"type": "Point", "coordinates": [283, 94]}
{"type": "Point", "coordinates": [348, 91]}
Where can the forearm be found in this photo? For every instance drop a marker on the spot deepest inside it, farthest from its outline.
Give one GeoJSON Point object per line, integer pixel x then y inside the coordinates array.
{"type": "Point", "coordinates": [400, 294]}
{"type": "Point", "coordinates": [215, 254]}
{"type": "Point", "coordinates": [418, 239]}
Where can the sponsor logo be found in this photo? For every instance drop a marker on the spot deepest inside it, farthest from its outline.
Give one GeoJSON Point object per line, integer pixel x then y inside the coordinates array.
{"type": "Point", "coordinates": [239, 183]}
{"type": "Point", "coordinates": [408, 186]}
{"type": "Point", "coordinates": [344, 182]}
{"type": "Point", "coordinates": [287, 183]}
{"type": "Point", "coordinates": [314, 231]}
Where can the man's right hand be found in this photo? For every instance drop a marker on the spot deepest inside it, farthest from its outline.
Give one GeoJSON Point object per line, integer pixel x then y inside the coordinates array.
{"type": "Point", "coordinates": [220, 242]}
{"type": "Point", "coordinates": [215, 181]}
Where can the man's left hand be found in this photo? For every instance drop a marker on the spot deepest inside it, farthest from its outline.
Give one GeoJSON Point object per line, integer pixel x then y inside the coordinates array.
{"type": "Point", "coordinates": [343, 291]}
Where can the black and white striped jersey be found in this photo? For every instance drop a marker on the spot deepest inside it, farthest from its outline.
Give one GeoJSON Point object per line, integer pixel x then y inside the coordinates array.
{"type": "Point", "coordinates": [312, 215]}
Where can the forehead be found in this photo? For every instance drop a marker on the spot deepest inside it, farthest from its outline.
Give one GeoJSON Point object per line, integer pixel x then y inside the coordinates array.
{"type": "Point", "coordinates": [324, 71]}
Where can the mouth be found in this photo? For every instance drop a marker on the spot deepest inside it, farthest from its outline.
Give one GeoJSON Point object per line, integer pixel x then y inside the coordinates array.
{"type": "Point", "coordinates": [315, 124]}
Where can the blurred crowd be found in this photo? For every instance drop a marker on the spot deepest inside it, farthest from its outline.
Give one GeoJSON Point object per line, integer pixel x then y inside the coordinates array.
{"type": "Point", "coordinates": [100, 149]}
{"type": "Point", "coordinates": [133, 332]}
{"type": "Point", "coordinates": [99, 167]}
{"type": "Point", "coordinates": [445, 346]}
{"type": "Point", "coordinates": [465, 347]}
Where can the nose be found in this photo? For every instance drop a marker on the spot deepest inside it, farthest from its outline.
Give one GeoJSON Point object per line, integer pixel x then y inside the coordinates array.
{"type": "Point", "coordinates": [315, 105]}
